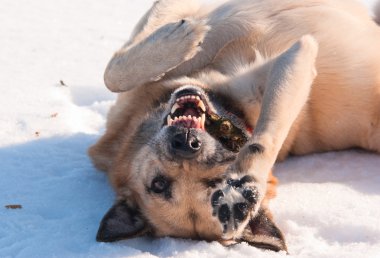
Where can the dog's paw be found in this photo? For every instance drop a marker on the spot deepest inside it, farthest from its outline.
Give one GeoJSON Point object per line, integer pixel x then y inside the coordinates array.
{"type": "Point", "coordinates": [234, 202]}
{"type": "Point", "coordinates": [178, 42]}
{"type": "Point", "coordinates": [188, 37]}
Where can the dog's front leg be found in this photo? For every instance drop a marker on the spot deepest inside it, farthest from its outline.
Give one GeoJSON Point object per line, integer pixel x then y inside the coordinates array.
{"type": "Point", "coordinates": [147, 61]}
{"type": "Point", "coordinates": [238, 199]}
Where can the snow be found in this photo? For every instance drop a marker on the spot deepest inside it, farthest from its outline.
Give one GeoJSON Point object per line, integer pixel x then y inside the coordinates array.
{"type": "Point", "coordinates": [327, 204]}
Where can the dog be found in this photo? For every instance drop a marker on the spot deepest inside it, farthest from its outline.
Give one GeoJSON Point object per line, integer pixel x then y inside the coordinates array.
{"type": "Point", "coordinates": [212, 95]}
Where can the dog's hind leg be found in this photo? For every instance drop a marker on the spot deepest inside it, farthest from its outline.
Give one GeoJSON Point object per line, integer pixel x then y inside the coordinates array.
{"type": "Point", "coordinates": [241, 194]}
{"type": "Point", "coordinates": [177, 38]}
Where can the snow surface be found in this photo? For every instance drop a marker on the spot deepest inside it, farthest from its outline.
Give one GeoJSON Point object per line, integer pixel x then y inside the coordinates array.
{"type": "Point", "coordinates": [328, 205]}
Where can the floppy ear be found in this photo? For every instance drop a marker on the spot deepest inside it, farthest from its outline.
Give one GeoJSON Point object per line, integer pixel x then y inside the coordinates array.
{"type": "Point", "coordinates": [121, 222]}
{"type": "Point", "coordinates": [262, 232]}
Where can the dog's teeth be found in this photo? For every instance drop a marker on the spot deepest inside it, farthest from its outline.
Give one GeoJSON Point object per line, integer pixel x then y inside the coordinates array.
{"type": "Point", "coordinates": [175, 107]}
{"type": "Point", "coordinates": [192, 97]}
{"type": "Point", "coordinates": [197, 98]}
{"type": "Point", "coordinates": [196, 122]}
{"type": "Point", "coordinates": [189, 117]}
{"type": "Point", "coordinates": [202, 106]}
{"type": "Point", "coordinates": [169, 120]}
{"type": "Point", "coordinates": [203, 120]}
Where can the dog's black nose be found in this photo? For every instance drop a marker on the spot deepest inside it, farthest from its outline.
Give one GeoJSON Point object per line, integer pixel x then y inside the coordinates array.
{"type": "Point", "coordinates": [185, 145]}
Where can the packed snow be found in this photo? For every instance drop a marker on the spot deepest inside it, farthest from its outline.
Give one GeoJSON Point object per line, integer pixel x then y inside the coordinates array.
{"type": "Point", "coordinates": [54, 104]}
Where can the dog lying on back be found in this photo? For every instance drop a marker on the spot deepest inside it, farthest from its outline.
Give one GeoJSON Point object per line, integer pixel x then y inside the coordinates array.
{"type": "Point", "coordinates": [213, 95]}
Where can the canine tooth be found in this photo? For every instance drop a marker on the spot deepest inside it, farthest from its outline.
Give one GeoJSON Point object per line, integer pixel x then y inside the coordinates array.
{"type": "Point", "coordinates": [202, 106]}
{"type": "Point", "coordinates": [175, 107]}
{"type": "Point", "coordinates": [203, 120]}
{"type": "Point", "coordinates": [169, 120]}
{"type": "Point", "coordinates": [198, 123]}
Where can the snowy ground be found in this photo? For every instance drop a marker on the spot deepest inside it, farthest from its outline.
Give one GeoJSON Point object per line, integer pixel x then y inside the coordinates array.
{"type": "Point", "coordinates": [327, 205]}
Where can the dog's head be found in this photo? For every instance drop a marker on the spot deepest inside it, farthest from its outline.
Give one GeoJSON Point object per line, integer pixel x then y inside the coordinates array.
{"type": "Point", "coordinates": [180, 153]}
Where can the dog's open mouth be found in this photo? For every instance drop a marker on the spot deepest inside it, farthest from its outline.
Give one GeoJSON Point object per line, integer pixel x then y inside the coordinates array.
{"type": "Point", "coordinates": [188, 111]}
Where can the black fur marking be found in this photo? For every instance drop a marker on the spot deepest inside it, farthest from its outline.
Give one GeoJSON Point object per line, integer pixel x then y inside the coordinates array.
{"type": "Point", "coordinates": [240, 211]}
{"type": "Point", "coordinates": [256, 148]}
{"type": "Point", "coordinates": [234, 183]}
{"type": "Point", "coordinates": [251, 195]}
{"type": "Point", "coordinates": [216, 197]}
{"type": "Point", "coordinates": [238, 183]}
{"type": "Point", "coordinates": [246, 179]}
{"type": "Point", "coordinates": [212, 182]}
{"type": "Point", "coordinates": [224, 213]}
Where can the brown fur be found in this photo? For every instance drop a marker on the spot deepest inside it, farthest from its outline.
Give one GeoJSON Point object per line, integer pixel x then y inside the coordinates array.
{"type": "Point", "coordinates": [343, 110]}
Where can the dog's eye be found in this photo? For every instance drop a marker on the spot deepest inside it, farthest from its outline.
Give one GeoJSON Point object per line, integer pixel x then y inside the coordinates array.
{"type": "Point", "coordinates": [159, 184]}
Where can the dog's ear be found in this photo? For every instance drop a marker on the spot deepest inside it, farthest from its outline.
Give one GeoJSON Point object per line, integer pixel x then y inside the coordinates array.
{"type": "Point", "coordinates": [121, 222]}
{"type": "Point", "coordinates": [262, 232]}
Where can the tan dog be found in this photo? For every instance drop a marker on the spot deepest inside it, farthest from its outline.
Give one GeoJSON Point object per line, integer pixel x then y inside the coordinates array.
{"type": "Point", "coordinates": [179, 151]}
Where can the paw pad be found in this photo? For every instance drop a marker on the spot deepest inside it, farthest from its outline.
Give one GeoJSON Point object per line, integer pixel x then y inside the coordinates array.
{"type": "Point", "coordinates": [233, 201]}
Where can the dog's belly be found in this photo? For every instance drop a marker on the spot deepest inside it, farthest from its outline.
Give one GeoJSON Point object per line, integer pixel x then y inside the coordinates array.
{"type": "Point", "coordinates": [344, 107]}
{"type": "Point", "coordinates": [338, 117]}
